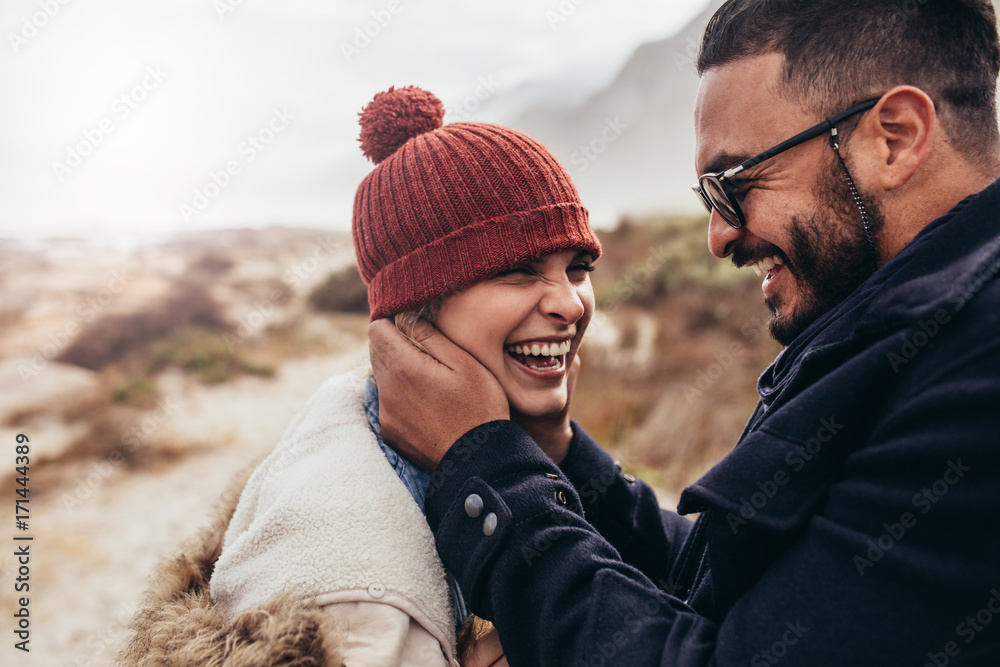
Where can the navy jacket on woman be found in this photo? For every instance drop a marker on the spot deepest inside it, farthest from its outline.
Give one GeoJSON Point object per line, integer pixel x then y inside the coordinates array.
{"type": "Point", "coordinates": [857, 521]}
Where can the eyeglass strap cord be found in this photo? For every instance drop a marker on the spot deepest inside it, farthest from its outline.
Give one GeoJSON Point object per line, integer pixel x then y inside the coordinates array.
{"type": "Point", "coordinates": [835, 145]}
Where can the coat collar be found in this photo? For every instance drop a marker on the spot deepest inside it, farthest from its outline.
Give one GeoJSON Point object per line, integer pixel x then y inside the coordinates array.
{"type": "Point", "coordinates": [780, 471]}
{"type": "Point", "coordinates": [962, 255]}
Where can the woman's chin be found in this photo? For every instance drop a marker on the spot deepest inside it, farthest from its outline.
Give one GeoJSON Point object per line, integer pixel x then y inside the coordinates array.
{"type": "Point", "coordinates": [538, 407]}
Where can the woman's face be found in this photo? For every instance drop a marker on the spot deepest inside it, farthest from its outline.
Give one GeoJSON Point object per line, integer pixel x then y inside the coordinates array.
{"type": "Point", "coordinates": [525, 325]}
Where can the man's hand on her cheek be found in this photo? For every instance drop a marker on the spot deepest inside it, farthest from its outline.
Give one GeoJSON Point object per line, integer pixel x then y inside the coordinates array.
{"type": "Point", "coordinates": [428, 400]}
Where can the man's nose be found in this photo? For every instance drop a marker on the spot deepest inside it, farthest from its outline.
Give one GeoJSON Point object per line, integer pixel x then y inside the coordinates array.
{"type": "Point", "coordinates": [722, 237]}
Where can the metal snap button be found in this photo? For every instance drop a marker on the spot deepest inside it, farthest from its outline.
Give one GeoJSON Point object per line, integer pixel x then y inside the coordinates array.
{"type": "Point", "coordinates": [474, 505]}
{"type": "Point", "coordinates": [489, 524]}
{"type": "Point", "coordinates": [561, 497]}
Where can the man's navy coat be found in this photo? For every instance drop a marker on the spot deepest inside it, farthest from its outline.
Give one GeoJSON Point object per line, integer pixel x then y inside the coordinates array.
{"type": "Point", "coordinates": [857, 521]}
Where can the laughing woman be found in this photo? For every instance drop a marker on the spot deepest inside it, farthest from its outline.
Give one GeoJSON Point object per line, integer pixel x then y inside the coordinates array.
{"type": "Point", "coordinates": [327, 556]}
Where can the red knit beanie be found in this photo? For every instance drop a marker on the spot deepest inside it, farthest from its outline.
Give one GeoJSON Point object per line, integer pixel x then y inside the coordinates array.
{"type": "Point", "coordinates": [448, 206]}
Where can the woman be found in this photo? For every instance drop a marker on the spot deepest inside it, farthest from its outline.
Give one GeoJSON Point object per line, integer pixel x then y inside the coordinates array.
{"type": "Point", "coordinates": [327, 556]}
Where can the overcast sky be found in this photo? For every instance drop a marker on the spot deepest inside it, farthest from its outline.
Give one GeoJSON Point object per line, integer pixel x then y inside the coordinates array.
{"type": "Point", "coordinates": [137, 117]}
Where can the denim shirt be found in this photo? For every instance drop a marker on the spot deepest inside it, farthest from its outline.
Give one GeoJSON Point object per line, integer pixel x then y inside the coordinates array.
{"type": "Point", "coordinates": [414, 479]}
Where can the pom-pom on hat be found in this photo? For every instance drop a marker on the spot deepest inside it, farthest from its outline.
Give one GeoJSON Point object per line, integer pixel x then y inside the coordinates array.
{"type": "Point", "coordinates": [449, 205]}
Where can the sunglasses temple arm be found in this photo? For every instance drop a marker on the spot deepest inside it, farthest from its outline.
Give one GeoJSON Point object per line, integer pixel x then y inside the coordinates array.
{"type": "Point", "coordinates": [799, 138]}
{"type": "Point", "coordinates": [802, 137]}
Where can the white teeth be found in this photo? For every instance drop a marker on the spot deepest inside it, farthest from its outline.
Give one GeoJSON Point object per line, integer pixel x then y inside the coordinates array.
{"type": "Point", "coordinates": [542, 350]}
{"type": "Point", "coordinates": [763, 266]}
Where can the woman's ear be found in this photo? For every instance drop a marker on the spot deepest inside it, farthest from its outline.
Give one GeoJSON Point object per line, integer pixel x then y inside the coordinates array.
{"type": "Point", "coordinates": [901, 130]}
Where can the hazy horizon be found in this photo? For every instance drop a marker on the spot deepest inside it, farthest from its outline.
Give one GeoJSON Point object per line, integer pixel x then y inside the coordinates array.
{"type": "Point", "coordinates": [145, 119]}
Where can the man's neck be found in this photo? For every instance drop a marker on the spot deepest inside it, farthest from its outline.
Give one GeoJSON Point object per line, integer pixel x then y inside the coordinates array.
{"type": "Point", "coordinates": [909, 214]}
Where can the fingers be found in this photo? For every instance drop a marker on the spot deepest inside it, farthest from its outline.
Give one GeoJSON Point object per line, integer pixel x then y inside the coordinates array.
{"type": "Point", "coordinates": [383, 337]}
{"type": "Point", "coordinates": [392, 353]}
{"type": "Point", "coordinates": [437, 345]}
{"type": "Point", "coordinates": [422, 337]}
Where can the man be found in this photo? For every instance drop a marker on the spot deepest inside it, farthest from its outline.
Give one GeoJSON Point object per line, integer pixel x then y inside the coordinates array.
{"type": "Point", "coordinates": [857, 521]}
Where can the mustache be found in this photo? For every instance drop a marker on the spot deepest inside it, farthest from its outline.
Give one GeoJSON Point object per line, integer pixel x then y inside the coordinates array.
{"type": "Point", "coordinates": [744, 255]}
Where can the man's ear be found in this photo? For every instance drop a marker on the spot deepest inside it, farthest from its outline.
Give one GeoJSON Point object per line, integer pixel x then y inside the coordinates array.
{"type": "Point", "coordinates": [901, 129]}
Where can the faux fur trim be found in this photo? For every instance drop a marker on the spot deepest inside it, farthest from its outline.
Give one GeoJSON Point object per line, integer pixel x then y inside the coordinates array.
{"type": "Point", "coordinates": [179, 625]}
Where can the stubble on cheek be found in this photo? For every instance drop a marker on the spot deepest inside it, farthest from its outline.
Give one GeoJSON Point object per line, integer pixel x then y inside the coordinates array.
{"type": "Point", "coordinates": [831, 256]}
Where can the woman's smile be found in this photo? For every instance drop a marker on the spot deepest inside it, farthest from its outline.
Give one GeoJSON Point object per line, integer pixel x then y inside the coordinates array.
{"type": "Point", "coordinates": [525, 325]}
{"type": "Point", "coordinates": [546, 357]}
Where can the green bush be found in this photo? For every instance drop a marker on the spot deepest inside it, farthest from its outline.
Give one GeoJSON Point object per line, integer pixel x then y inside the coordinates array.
{"type": "Point", "coordinates": [134, 391]}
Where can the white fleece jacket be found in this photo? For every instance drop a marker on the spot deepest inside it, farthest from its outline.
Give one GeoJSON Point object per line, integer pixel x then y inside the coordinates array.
{"type": "Point", "coordinates": [325, 515]}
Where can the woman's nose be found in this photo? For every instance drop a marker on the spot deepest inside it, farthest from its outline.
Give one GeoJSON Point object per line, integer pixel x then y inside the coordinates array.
{"type": "Point", "coordinates": [562, 301]}
{"type": "Point", "coordinates": [722, 237]}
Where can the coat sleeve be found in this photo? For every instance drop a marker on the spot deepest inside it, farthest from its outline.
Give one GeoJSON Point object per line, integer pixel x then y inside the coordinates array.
{"type": "Point", "coordinates": [509, 525]}
{"type": "Point", "coordinates": [624, 510]}
{"type": "Point", "coordinates": [849, 588]}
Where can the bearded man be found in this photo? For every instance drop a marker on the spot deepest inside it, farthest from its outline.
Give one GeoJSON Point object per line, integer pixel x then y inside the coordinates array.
{"type": "Point", "coordinates": [848, 151]}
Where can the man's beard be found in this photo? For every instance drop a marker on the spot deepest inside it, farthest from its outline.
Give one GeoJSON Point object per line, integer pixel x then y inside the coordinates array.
{"type": "Point", "coordinates": [829, 255]}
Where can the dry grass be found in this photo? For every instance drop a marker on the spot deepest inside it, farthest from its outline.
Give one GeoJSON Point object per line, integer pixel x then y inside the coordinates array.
{"type": "Point", "coordinates": [115, 337]}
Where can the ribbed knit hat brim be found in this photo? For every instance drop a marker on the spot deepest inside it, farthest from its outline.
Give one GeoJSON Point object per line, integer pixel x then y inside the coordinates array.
{"type": "Point", "coordinates": [459, 204]}
{"type": "Point", "coordinates": [476, 252]}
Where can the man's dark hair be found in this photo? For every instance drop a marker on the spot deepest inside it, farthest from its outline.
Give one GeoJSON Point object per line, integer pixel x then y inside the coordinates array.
{"type": "Point", "coordinates": [840, 52]}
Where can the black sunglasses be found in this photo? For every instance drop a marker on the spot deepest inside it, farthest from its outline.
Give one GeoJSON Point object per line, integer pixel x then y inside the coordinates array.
{"type": "Point", "coordinates": [717, 191]}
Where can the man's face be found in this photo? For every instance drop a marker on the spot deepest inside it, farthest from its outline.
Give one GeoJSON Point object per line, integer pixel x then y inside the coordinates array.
{"type": "Point", "coordinates": [803, 233]}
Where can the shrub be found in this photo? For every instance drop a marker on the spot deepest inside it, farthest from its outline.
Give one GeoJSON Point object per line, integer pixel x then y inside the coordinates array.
{"type": "Point", "coordinates": [342, 291]}
{"type": "Point", "coordinates": [134, 391]}
{"type": "Point", "coordinates": [113, 337]}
